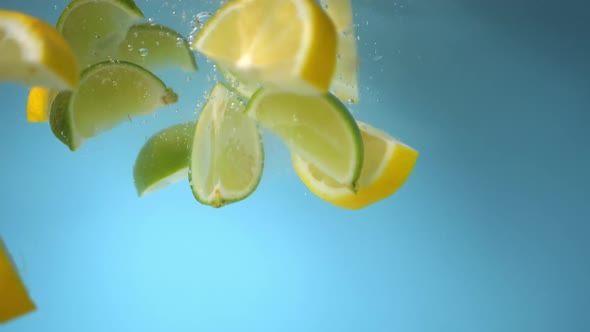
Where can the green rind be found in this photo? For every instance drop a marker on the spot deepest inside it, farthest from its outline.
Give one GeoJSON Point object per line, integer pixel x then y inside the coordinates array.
{"type": "Point", "coordinates": [129, 5]}
{"type": "Point", "coordinates": [225, 201]}
{"type": "Point", "coordinates": [94, 46]}
{"type": "Point", "coordinates": [60, 121]}
{"type": "Point", "coordinates": [163, 155]}
{"type": "Point", "coordinates": [336, 105]}
{"type": "Point", "coordinates": [62, 115]}
{"type": "Point", "coordinates": [161, 43]}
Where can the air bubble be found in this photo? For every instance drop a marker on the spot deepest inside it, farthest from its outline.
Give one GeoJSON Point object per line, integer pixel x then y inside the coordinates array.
{"type": "Point", "coordinates": [143, 51]}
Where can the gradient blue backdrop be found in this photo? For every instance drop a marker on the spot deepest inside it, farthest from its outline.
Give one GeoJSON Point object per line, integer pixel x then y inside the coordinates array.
{"type": "Point", "coordinates": [490, 233]}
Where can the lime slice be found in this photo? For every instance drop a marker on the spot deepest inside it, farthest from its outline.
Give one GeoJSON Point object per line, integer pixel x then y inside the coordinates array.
{"type": "Point", "coordinates": [95, 28]}
{"type": "Point", "coordinates": [345, 82]}
{"type": "Point", "coordinates": [39, 103]}
{"type": "Point", "coordinates": [318, 128]}
{"type": "Point", "coordinates": [227, 155]}
{"type": "Point", "coordinates": [387, 165]}
{"type": "Point", "coordinates": [155, 47]}
{"type": "Point", "coordinates": [289, 44]}
{"type": "Point", "coordinates": [35, 53]}
{"type": "Point", "coordinates": [164, 158]}
{"type": "Point", "coordinates": [14, 299]}
{"type": "Point", "coordinates": [108, 94]}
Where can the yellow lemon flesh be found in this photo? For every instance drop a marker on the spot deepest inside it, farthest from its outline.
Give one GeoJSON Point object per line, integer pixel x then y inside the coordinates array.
{"type": "Point", "coordinates": [34, 53]}
{"type": "Point", "coordinates": [288, 44]}
{"type": "Point", "coordinates": [14, 299]}
{"type": "Point", "coordinates": [387, 165]}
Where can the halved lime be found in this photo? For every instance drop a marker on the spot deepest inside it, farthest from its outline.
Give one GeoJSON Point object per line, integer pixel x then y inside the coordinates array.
{"type": "Point", "coordinates": [227, 155]}
{"type": "Point", "coordinates": [155, 47]}
{"type": "Point", "coordinates": [164, 158]}
{"type": "Point", "coordinates": [108, 94]}
{"type": "Point", "coordinates": [318, 128]}
{"type": "Point", "coordinates": [95, 28]}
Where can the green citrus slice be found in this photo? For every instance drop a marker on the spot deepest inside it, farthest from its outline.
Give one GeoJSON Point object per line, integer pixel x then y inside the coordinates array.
{"type": "Point", "coordinates": [156, 47]}
{"type": "Point", "coordinates": [318, 128]}
{"type": "Point", "coordinates": [227, 155]}
{"type": "Point", "coordinates": [95, 28]}
{"type": "Point", "coordinates": [108, 94]}
{"type": "Point", "coordinates": [163, 159]}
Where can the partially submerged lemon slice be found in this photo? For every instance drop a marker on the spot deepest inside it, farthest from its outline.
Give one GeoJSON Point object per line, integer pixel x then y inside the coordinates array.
{"type": "Point", "coordinates": [34, 53]}
{"type": "Point", "coordinates": [290, 44]}
{"type": "Point", "coordinates": [387, 165]}
{"type": "Point", "coordinates": [14, 299]}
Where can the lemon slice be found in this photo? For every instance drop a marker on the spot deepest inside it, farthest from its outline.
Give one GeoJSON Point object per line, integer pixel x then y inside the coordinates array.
{"type": "Point", "coordinates": [39, 103]}
{"type": "Point", "coordinates": [387, 165]}
{"type": "Point", "coordinates": [290, 44]}
{"type": "Point", "coordinates": [34, 53]}
{"type": "Point", "coordinates": [95, 28]}
{"type": "Point", "coordinates": [345, 82]}
{"type": "Point", "coordinates": [108, 94]}
{"type": "Point", "coordinates": [227, 155]}
{"type": "Point", "coordinates": [163, 159]}
{"type": "Point", "coordinates": [14, 299]}
{"type": "Point", "coordinates": [319, 128]}
{"type": "Point", "coordinates": [156, 47]}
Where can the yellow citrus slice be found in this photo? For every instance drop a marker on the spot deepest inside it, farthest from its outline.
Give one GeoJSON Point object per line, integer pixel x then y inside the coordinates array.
{"type": "Point", "coordinates": [39, 103]}
{"type": "Point", "coordinates": [289, 44]}
{"type": "Point", "coordinates": [34, 53]}
{"type": "Point", "coordinates": [387, 165]}
{"type": "Point", "coordinates": [14, 299]}
{"type": "Point", "coordinates": [345, 82]}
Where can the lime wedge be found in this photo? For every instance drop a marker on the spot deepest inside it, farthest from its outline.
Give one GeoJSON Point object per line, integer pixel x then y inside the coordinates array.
{"type": "Point", "coordinates": [108, 94]}
{"type": "Point", "coordinates": [227, 155]}
{"type": "Point", "coordinates": [164, 158]}
{"type": "Point", "coordinates": [318, 128]}
{"type": "Point", "coordinates": [35, 53]}
{"type": "Point", "coordinates": [95, 28]}
{"type": "Point", "coordinates": [155, 47]}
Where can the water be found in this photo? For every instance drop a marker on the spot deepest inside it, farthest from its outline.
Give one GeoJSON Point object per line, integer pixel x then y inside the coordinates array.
{"type": "Point", "coordinates": [489, 234]}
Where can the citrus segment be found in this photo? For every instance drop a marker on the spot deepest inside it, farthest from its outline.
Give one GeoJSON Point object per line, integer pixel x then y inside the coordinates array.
{"type": "Point", "coordinates": [227, 155]}
{"type": "Point", "coordinates": [319, 128]}
{"type": "Point", "coordinates": [344, 85]}
{"type": "Point", "coordinates": [14, 299]}
{"type": "Point", "coordinates": [289, 44]}
{"type": "Point", "coordinates": [164, 158]}
{"type": "Point", "coordinates": [109, 93]}
{"type": "Point", "coordinates": [387, 165]}
{"type": "Point", "coordinates": [34, 53]}
{"type": "Point", "coordinates": [39, 103]}
{"type": "Point", "coordinates": [155, 47]}
{"type": "Point", "coordinates": [95, 28]}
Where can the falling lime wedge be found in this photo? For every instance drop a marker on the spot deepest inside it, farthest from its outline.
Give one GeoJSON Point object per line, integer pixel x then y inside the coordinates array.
{"type": "Point", "coordinates": [95, 28]}
{"type": "Point", "coordinates": [318, 128]}
{"type": "Point", "coordinates": [156, 47]}
{"type": "Point", "coordinates": [108, 94]}
{"type": "Point", "coordinates": [164, 158]}
{"type": "Point", "coordinates": [227, 155]}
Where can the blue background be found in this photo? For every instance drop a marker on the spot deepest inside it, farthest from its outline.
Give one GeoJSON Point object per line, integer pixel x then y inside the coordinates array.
{"type": "Point", "coordinates": [490, 233]}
